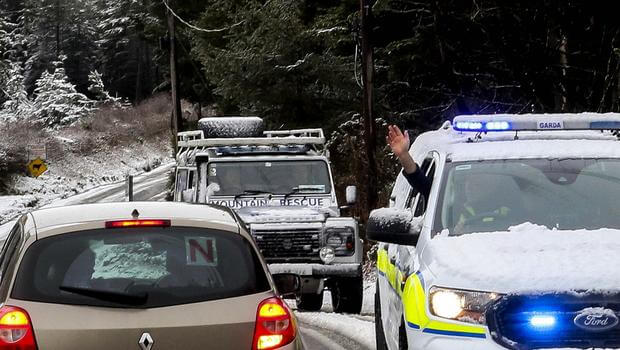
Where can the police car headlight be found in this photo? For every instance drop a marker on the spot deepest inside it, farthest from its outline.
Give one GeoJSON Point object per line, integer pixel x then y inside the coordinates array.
{"type": "Point", "coordinates": [341, 239]}
{"type": "Point", "coordinates": [460, 305]}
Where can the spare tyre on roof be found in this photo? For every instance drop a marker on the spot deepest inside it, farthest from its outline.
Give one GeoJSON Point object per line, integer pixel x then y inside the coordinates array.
{"type": "Point", "coordinates": [230, 127]}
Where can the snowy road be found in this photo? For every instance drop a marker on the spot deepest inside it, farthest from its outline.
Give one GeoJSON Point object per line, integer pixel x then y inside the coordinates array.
{"type": "Point", "coordinates": [328, 330]}
{"type": "Point", "coordinates": [323, 330]}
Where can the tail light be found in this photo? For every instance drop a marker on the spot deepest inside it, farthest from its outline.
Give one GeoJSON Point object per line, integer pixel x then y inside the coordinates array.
{"type": "Point", "coordinates": [137, 223]}
{"type": "Point", "coordinates": [16, 331]}
{"type": "Point", "coordinates": [275, 325]}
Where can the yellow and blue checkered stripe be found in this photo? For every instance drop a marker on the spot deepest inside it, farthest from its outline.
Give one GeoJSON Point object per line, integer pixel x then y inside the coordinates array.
{"type": "Point", "coordinates": [414, 301]}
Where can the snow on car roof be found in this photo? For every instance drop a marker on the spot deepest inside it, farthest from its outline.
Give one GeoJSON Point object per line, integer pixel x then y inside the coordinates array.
{"type": "Point", "coordinates": [67, 215]}
{"type": "Point", "coordinates": [466, 146]}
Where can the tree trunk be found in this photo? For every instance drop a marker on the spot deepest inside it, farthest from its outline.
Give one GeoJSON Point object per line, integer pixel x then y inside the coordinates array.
{"type": "Point", "coordinates": [177, 121]}
{"type": "Point", "coordinates": [138, 94]}
{"type": "Point", "coordinates": [367, 105]}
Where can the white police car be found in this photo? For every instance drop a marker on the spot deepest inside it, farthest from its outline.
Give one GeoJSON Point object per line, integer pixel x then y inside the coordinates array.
{"type": "Point", "coordinates": [517, 245]}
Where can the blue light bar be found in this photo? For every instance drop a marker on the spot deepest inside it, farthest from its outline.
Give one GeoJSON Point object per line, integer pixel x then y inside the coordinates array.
{"type": "Point", "coordinates": [468, 126]}
{"type": "Point", "coordinates": [536, 122]}
{"type": "Point", "coordinates": [542, 321]}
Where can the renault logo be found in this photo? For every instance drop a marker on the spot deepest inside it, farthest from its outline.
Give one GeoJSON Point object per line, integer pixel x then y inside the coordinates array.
{"type": "Point", "coordinates": [146, 341]}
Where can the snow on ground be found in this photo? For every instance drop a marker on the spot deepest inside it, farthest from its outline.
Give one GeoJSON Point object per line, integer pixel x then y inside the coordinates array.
{"type": "Point", "coordinates": [360, 328]}
{"type": "Point", "coordinates": [361, 331]}
{"type": "Point", "coordinates": [528, 258]}
{"type": "Point", "coordinates": [73, 173]}
{"type": "Point", "coordinates": [4, 230]}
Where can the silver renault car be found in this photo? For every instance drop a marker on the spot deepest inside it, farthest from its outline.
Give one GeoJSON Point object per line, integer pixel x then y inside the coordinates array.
{"type": "Point", "coordinates": [140, 276]}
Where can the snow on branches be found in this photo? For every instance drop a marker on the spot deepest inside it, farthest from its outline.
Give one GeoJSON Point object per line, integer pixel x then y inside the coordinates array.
{"type": "Point", "coordinates": [57, 102]}
{"type": "Point", "coordinates": [97, 88]}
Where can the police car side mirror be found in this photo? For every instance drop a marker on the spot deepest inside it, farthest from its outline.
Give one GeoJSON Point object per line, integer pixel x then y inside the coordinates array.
{"type": "Point", "coordinates": [394, 226]}
{"type": "Point", "coordinates": [287, 283]}
{"type": "Point", "coordinates": [351, 195]}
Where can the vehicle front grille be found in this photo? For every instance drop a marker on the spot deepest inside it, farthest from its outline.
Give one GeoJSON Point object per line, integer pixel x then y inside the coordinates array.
{"type": "Point", "coordinates": [509, 321]}
{"type": "Point", "coordinates": [288, 245]}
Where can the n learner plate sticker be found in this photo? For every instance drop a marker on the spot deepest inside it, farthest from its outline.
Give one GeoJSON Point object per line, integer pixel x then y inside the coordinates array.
{"type": "Point", "coordinates": [200, 251]}
{"type": "Point", "coordinates": [550, 125]}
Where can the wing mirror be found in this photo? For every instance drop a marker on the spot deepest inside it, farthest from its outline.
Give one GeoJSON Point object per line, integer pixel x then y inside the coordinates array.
{"type": "Point", "coordinates": [351, 195]}
{"type": "Point", "coordinates": [287, 283]}
{"type": "Point", "coordinates": [394, 226]}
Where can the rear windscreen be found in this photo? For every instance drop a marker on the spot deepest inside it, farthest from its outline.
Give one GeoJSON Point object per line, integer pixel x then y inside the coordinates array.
{"type": "Point", "coordinates": [139, 267]}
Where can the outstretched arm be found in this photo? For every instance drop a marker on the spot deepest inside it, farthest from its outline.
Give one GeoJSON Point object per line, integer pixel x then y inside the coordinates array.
{"type": "Point", "coordinates": [399, 143]}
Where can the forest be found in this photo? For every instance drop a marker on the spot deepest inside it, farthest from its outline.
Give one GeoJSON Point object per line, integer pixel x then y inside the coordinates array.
{"type": "Point", "coordinates": [297, 63]}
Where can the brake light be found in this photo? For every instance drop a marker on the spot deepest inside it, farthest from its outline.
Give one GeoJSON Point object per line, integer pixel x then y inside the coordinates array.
{"type": "Point", "coordinates": [137, 223]}
{"type": "Point", "coordinates": [275, 325]}
{"type": "Point", "coordinates": [16, 331]}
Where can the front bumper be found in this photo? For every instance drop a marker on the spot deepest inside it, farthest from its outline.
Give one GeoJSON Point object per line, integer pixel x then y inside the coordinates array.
{"type": "Point", "coordinates": [318, 270]}
{"type": "Point", "coordinates": [429, 341]}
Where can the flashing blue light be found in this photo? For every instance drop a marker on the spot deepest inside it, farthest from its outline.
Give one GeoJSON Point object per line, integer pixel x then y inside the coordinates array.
{"type": "Point", "coordinates": [542, 321]}
{"type": "Point", "coordinates": [471, 126]}
{"type": "Point", "coordinates": [497, 126]}
{"type": "Point", "coordinates": [482, 126]}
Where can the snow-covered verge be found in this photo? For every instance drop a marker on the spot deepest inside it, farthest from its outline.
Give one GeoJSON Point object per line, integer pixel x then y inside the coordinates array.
{"type": "Point", "coordinates": [75, 173]}
{"type": "Point", "coordinates": [101, 149]}
{"type": "Point", "coordinates": [528, 258]}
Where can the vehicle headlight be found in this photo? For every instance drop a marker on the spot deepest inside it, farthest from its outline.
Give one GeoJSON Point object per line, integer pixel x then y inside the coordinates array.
{"type": "Point", "coordinates": [341, 239]}
{"type": "Point", "coordinates": [460, 305]}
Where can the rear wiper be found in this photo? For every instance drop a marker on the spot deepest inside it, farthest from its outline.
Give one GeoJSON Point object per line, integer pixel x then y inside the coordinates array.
{"type": "Point", "coordinates": [106, 295]}
{"type": "Point", "coordinates": [251, 192]}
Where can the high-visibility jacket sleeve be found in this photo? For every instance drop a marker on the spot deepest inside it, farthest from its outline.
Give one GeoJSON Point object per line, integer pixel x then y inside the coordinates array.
{"type": "Point", "coordinates": [419, 181]}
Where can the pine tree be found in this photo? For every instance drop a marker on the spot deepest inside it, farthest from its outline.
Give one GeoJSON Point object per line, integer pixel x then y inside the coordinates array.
{"type": "Point", "coordinates": [17, 105]}
{"type": "Point", "coordinates": [125, 57]}
{"type": "Point", "coordinates": [57, 102]}
{"type": "Point", "coordinates": [97, 88]}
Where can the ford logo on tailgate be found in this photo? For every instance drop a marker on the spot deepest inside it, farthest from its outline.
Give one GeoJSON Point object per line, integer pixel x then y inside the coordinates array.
{"type": "Point", "coordinates": [596, 319]}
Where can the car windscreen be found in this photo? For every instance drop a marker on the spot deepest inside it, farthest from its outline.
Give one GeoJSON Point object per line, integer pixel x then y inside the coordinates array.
{"type": "Point", "coordinates": [567, 194]}
{"type": "Point", "coordinates": [139, 267]}
{"type": "Point", "coordinates": [274, 177]}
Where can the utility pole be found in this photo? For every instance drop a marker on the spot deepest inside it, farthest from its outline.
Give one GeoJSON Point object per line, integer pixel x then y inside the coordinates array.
{"type": "Point", "coordinates": [368, 70]}
{"type": "Point", "coordinates": [177, 121]}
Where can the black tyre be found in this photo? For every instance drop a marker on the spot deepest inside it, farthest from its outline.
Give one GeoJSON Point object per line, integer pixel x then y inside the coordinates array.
{"type": "Point", "coordinates": [379, 333]}
{"type": "Point", "coordinates": [347, 294]}
{"type": "Point", "coordinates": [229, 127]}
{"type": "Point", "coordinates": [309, 302]}
{"type": "Point", "coordinates": [402, 337]}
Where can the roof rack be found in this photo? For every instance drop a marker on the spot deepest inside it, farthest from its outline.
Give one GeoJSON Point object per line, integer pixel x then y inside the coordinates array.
{"type": "Point", "coordinates": [272, 138]}
{"type": "Point", "coordinates": [192, 142]}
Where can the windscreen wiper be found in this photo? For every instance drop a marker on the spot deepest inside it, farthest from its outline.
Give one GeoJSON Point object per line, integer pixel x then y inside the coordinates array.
{"type": "Point", "coordinates": [251, 192]}
{"type": "Point", "coordinates": [107, 295]}
{"type": "Point", "coordinates": [293, 191]}
{"type": "Point", "coordinates": [304, 188]}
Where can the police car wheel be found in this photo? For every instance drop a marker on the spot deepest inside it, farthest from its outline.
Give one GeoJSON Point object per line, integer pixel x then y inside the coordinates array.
{"type": "Point", "coordinates": [379, 333]}
{"type": "Point", "coordinates": [309, 301]}
{"type": "Point", "coordinates": [347, 295]}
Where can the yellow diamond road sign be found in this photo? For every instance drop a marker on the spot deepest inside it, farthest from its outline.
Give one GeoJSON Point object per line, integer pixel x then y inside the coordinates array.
{"type": "Point", "coordinates": [36, 167]}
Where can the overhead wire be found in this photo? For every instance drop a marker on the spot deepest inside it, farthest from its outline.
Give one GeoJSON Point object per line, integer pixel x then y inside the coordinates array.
{"type": "Point", "coordinates": [198, 28]}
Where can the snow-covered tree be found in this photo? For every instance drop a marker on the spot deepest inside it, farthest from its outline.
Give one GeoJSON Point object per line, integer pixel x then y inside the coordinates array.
{"type": "Point", "coordinates": [57, 102]}
{"type": "Point", "coordinates": [16, 104]}
{"type": "Point", "coordinates": [97, 88]}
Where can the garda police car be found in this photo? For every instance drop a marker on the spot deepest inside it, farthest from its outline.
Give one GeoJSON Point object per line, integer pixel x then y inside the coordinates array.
{"type": "Point", "coordinates": [280, 183]}
{"type": "Point", "coordinates": [516, 246]}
